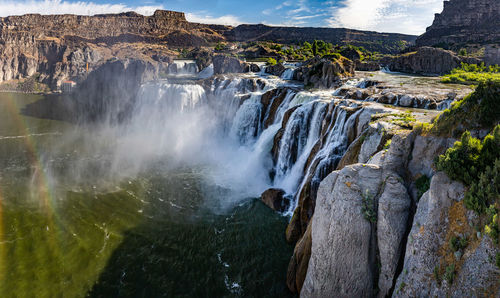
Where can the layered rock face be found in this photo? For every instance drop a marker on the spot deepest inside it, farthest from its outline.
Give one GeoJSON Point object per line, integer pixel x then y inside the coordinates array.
{"type": "Point", "coordinates": [427, 60]}
{"type": "Point", "coordinates": [62, 47]}
{"type": "Point", "coordinates": [464, 21]}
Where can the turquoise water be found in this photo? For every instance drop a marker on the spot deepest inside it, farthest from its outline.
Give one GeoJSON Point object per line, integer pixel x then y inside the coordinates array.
{"type": "Point", "coordinates": [71, 225]}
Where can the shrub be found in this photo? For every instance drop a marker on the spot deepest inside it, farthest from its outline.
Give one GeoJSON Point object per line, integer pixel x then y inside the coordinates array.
{"type": "Point", "coordinates": [423, 184]}
{"type": "Point", "coordinates": [271, 61]}
{"type": "Point", "coordinates": [498, 259]}
{"type": "Point", "coordinates": [462, 52]}
{"type": "Point", "coordinates": [449, 273]}
{"type": "Point", "coordinates": [461, 161]}
{"type": "Point", "coordinates": [485, 191]}
{"type": "Point", "coordinates": [458, 243]}
{"type": "Point", "coordinates": [368, 208]}
{"type": "Point", "coordinates": [492, 228]}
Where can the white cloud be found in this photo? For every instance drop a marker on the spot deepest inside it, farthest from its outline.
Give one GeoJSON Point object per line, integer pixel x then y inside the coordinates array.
{"type": "Point", "coordinates": [208, 19]}
{"type": "Point", "coordinates": [12, 7]}
{"type": "Point", "coordinates": [404, 16]}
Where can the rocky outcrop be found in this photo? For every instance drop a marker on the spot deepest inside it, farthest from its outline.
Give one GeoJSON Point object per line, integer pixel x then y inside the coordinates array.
{"type": "Point", "coordinates": [276, 69]}
{"type": "Point", "coordinates": [275, 199]}
{"type": "Point", "coordinates": [373, 41]}
{"type": "Point", "coordinates": [367, 65]}
{"type": "Point", "coordinates": [427, 60]}
{"type": "Point", "coordinates": [462, 22]}
{"type": "Point", "coordinates": [324, 73]}
{"type": "Point", "coordinates": [109, 92]}
{"type": "Point", "coordinates": [226, 64]}
{"type": "Point", "coordinates": [343, 256]}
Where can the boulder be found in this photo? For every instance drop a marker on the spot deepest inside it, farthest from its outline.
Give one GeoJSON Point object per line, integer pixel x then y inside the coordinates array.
{"type": "Point", "coordinates": [275, 199]}
{"type": "Point", "coordinates": [324, 73]}
{"type": "Point", "coordinates": [276, 69]}
{"type": "Point", "coordinates": [226, 64]}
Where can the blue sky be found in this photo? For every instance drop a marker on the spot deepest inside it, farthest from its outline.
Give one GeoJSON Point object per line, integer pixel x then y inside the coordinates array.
{"type": "Point", "coordinates": [404, 16]}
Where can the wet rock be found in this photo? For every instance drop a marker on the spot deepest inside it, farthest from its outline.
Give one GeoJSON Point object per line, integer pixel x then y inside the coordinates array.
{"type": "Point", "coordinates": [275, 199]}
{"type": "Point", "coordinates": [297, 268]}
{"type": "Point", "coordinates": [276, 70]}
{"type": "Point", "coordinates": [406, 101]}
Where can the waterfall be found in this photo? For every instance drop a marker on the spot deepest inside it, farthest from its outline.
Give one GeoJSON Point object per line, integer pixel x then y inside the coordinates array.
{"type": "Point", "coordinates": [183, 68]}
{"type": "Point", "coordinates": [285, 141]}
{"type": "Point", "coordinates": [287, 74]}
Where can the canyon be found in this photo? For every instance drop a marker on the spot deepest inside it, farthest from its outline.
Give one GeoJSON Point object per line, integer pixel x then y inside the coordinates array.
{"type": "Point", "coordinates": [221, 177]}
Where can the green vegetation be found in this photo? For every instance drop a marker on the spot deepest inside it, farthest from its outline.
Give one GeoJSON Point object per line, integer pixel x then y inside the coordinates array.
{"type": "Point", "coordinates": [436, 275]}
{"type": "Point", "coordinates": [472, 74]}
{"type": "Point", "coordinates": [462, 52]}
{"type": "Point", "coordinates": [306, 50]}
{"type": "Point", "coordinates": [31, 85]}
{"type": "Point", "coordinates": [423, 184]}
{"type": "Point", "coordinates": [368, 208]}
{"type": "Point", "coordinates": [498, 259]}
{"type": "Point", "coordinates": [478, 109]}
{"type": "Point", "coordinates": [469, 157]}
{"type": "Point", "coordinates": [449, 273]}
{"type": "Point", "coordinates": [477, 165]}
{"type": "Point", "coordinates": [220, 47]}
{"type": "Point", "coordinates": [387, 144]}
{"type": "Point", "coordinates": [271, 61]}
{"type": "Point", "coordinates": [458, 243]}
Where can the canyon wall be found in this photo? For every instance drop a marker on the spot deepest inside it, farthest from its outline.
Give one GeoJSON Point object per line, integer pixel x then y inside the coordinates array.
{"type": "Point", "coordinates": [464, 21]}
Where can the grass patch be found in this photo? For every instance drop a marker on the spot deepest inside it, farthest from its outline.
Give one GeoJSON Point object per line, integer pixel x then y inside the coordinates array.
{"type": "Point", "coordinates": [472, 74]}
{"type": "Point", "coordinates": [480, 109]}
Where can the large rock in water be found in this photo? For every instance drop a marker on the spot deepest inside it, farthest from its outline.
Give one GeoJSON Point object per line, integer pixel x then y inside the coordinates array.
{"type": "Point", "coordinates": [427, 60]}
{"type": "Point", "coordinates": [324, 73]}
{"type": "Point", "coordinates": [226, 64]}
{"type": "Point", "coordinates": [275, 199]}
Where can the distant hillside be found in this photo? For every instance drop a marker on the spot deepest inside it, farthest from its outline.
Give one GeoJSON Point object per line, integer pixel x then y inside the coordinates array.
{"type": "Point", "coordinates": [372, 41]}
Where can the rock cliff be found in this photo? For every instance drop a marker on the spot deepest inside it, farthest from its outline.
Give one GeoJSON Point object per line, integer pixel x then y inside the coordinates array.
{"type": "Point", "coordinates": [427, 60]}
{"type": "Point", "coordinates": [63, 47]}
{"type": "Point", "coordinates": [464, 21]}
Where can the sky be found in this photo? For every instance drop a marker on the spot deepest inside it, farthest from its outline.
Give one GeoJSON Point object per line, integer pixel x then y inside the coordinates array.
{"type": "Point", "coordinates": [402, 16]}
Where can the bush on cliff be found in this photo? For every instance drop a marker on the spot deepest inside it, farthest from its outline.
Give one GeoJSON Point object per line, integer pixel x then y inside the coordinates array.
{"type": "Point", "coordinates": [480, 109]}
{"type": "Point", "coordinates": [477, 165]}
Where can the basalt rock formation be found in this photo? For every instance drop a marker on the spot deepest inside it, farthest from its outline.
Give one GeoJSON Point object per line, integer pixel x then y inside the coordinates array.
{"type": "Point", "coordinates": [427, 60]}
{"type": "Point", "coordinates": [464, 21]}
{"type": "Point", "coordinates": [63, 47]}
{"type": "Point", "coordinates": [324, 73]}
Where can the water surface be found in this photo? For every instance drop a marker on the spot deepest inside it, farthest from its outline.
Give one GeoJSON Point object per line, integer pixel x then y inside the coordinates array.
{"type": "Point", "coordinates": [73, 224]}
